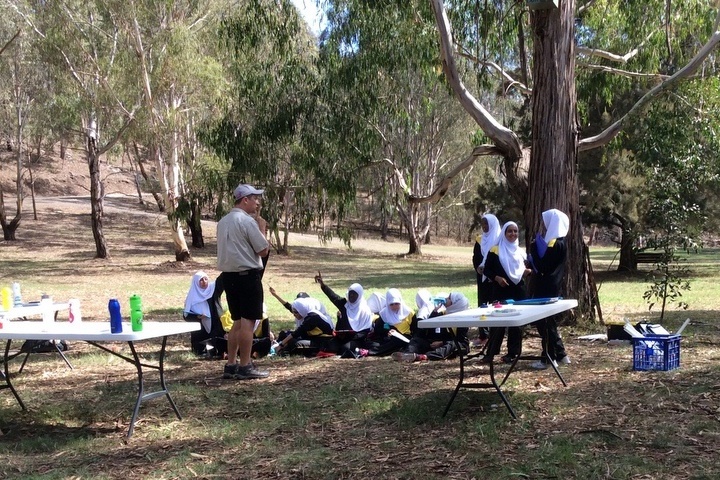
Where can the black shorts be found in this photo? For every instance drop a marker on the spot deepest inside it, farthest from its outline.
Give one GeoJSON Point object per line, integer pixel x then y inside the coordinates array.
{"type": "Point", "coordinates": [244, 293]}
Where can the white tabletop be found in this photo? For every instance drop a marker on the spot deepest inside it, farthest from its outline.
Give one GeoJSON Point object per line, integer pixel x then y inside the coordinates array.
{"type": "Point", "coordinates": [91, 331]}
{"type": "Point", "coordinates": [31, 310]}
{"type": "Point", "coordinates": [483, 317]}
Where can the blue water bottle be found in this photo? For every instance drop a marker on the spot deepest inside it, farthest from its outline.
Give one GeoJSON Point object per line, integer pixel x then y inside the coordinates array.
{"type": "Point", "coordinates": [115, 317]}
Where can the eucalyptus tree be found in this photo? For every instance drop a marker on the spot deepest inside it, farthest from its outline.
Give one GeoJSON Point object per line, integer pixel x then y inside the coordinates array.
{"type": "Point", "coordinates": [266, 133]}
{"type": "Point", "coordinates": [180, 77]}
{"type": "Point", "coordinates": [388, 106]}
{"type": "Point", "coordinates": [16, 98]}
{"type": "Point", "coordinates": [542, 171]}
{"type": "Point", "coordinates": [81, 41]}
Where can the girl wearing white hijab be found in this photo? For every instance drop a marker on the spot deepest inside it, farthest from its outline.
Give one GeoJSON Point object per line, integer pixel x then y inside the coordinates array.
{"type": "Point", "coordinates": [201, 305]}
{"type": "Point", "coordinates": [396, 316]}
{"type": "Point", "coordinates": [548, 254]}
{"type": "Point", "coordinates": [505, 265]}
{"type": "Point", "coordinates": [425, 304]}
{"type": "Point", "coordinates": [355, 318]}
{"type": "Point", "coordinates": [483, 243]}
{"type": "Point", "coordinates": [436, 343]}
{"type": "Point", "coordinates": [315, 326]}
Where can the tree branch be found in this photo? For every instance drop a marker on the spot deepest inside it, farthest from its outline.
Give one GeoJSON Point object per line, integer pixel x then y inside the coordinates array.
{"type": "Point", "coordinates": [503, 73]}
{"type": "Point", "coordinates": [9, 42]}
{"type": "Point", "coordinates": [614, 57]}
{"type": "Point", "coordinates": [444, 183]}
{"type": "Point", "coordinates": [504, 138]}
{"type": "Point", "coordinates": [624, 73]}
{"type": "Point", "coordinates": [604, 137]}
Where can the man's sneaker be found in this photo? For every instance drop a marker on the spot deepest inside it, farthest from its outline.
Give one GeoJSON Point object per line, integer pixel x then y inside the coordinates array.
{"type": "Point", "coordinates": [540, 365]}
{"type": "Point", "coordinates": [404, 357]}
{"type": "Point", "coordinates": [230, 371]}
{"type": "Point", "coordinates": [249, 372]}
{"type": "Point", "coordinates": [565, 360]}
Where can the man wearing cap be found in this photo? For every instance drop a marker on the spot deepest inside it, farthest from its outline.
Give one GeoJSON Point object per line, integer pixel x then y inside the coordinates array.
{"type": "Point", "coordinates": [240, 247]}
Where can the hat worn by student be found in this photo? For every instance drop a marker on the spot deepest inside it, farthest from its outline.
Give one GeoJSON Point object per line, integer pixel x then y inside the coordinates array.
{"type": "Point", "coordinates": [244, 190]}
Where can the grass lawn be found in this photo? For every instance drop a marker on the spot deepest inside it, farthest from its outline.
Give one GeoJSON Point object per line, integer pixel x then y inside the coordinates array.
{"type": "Point", "coordinates": [343, 419]}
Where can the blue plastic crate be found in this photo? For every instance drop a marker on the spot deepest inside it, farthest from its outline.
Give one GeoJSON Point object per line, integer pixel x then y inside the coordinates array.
{"type": "Point", "coordinates": [656, 352]}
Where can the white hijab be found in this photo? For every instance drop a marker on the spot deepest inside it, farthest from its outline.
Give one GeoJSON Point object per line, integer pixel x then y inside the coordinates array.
{"type": "Point", "coordinates": [459, 302]}
{"type": "Point", "coordinates": [358, 312]}
{"type": "Point", "coordinates": [376, 302]}
{"type": "Point", "coordinates": [557, 224]}
{"type": "Point", "coordinates": [425, 304]}
{"type": "Point", "coordinates": [388, 315]}
{"type": "Point", "coordinates": [306, 306]}
{"type": "Point", "coordinates": [512, 258]}
{"type": "Point", "coordinates": [196, 300]}
{"type": "Point", "coordinates": [491, 237]}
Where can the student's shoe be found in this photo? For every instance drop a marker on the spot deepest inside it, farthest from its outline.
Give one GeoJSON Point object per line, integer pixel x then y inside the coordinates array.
{"type": "Point", "coordinates": [249, 372]}
{"type": "Point", "coordinates": [508, 358]}
{"type": "Point", "coordinates": [361, 352]}
{"type": "Point", "coordinates": [404, 357]}
{"type": "Point", "coordinates": [565, 360]}
{"type": "Point", "coordinates": [540, 365]}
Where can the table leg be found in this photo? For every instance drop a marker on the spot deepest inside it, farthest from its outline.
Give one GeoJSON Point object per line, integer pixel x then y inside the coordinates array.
{"type": "Point", "coordinates": [6, 376]}
{"type": "Point", "coordinates": [141, 389]}
{"type": "Point", "coordinates": [493, 384]}
{"type": "Point", "coordinates": [142, 396]}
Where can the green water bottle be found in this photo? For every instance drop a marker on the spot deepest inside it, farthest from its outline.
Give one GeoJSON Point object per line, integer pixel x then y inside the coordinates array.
{"type": "Point", "coordinates": [136, 315]}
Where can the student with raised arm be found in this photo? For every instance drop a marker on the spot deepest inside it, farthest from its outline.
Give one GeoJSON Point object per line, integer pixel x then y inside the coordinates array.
{"type": "Point", "coordinates": [354, 317]}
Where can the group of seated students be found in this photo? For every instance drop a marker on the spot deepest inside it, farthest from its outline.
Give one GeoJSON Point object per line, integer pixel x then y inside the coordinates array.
{"type": "Point", "coordinates": [202, 304]}
{"type": "Point", "coordinates": [381, 325]}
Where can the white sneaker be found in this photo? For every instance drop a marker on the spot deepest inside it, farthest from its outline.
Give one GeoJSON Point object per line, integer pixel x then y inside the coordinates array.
{"type": "Point", "coordinates": [540, 365]}
{"type": "Point", "coordinates": [565, 360]}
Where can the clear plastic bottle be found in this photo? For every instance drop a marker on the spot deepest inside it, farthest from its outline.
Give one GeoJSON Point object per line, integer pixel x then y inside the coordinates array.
{"type": "Point", "coordinates": [17, 297]}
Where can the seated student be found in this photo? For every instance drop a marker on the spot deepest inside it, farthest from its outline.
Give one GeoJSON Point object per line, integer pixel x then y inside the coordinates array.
{"type": "Point", "coordinates": [435, 343]}
{"type": "Point", "coordinates": [314, 326]}
{"type": "Point", "coordinates": [376, 302]}
{"type": "Point", "coordinates": [395, 316]}
{"type": "Point", "coordinates": [288, 305]}
{"type": "Point", "coordinates": [354, 318]}
{"type": "Point", "coordinates": [263, 338]}
{"type": "Point", "coordinates": [202, 305]}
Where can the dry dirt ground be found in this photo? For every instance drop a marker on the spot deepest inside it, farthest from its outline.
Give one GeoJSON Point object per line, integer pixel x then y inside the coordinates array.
{"type": "Point", "coordinates": [53, 176]}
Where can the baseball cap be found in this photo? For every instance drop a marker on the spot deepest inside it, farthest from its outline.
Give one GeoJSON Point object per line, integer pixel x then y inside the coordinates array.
{"type": "Point", "coordinates": [243, 190]}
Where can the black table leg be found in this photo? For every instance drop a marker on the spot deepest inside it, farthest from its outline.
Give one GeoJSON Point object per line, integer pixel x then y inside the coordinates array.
{"type": "Point", "coordinates": [142, 396]}
{"type": "Point", "coordinates": [6, 376]}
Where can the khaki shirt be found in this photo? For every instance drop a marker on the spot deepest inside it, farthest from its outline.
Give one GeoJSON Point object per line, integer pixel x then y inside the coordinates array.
{"type": "Point", "coordinates": [238, 240]}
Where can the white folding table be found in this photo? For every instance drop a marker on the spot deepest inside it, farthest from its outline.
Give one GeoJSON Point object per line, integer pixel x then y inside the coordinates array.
{"type": "Point", "coordinates": [96, 333]}
{"type": "Point", "coordinates": [34, 309]}
{"type": "Point", "coordinates": [489, 317]}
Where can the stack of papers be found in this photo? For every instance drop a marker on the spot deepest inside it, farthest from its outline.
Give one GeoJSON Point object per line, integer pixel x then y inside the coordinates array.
{"type": "Point", "coordinates": [651, 329]}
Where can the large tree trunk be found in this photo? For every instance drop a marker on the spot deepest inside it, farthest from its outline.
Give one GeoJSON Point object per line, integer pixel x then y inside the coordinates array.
{"type": "Point", "coordinates": [96, 194]}
{"type": "Point", "coordinates": [553, 181]}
